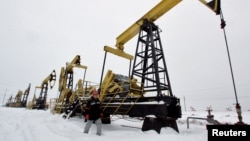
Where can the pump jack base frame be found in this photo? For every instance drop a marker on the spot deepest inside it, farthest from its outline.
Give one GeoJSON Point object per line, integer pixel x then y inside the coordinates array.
{"type": "Point", "coordinates": [165, 113]}
{"type": "Point", "coordinates": [157, 123]}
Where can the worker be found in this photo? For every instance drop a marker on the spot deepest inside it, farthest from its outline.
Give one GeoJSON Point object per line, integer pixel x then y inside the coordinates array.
{"type": "Point", "coordinates": [93, 113]}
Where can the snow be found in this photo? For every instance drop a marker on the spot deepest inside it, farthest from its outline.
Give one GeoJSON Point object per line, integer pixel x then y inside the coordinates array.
{"type": "Point", "coordinates": [21, 124]}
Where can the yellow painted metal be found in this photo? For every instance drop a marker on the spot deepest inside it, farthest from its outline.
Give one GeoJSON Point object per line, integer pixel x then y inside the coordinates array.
{"type": "Point", "coordinates": [152, 15]}
{"type": "Point", "coordinates": [213, 8]}
{"type": "Point", "coordinates": [75, 63]}
{"type": "Point", "coordinates": [109, 77]}
{"type": "Point", "coordinates": [51, 78]}
{"type": "Point", "coordinates": [65, 92]}
{"type": "Point", "coordinates": [118, 52]}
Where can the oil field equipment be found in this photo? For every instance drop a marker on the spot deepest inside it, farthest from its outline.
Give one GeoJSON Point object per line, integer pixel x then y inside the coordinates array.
{"type": "Point", "coordinates": [41, 101]}
{"type": "Point", "coordinates": [146, 92]}
{"type": "Point", "coordinates": [67, 93]}
{"type": "Point", "coordinates": [20, 99]}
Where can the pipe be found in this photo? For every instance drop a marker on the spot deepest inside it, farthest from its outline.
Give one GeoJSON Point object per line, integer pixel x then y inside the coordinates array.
{"type": "Point", "coordinates": [194, 118]}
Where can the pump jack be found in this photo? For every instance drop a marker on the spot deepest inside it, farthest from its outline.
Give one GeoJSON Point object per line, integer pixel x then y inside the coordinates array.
{"type": "Point", "coordinates": [42, 99]}
{"type": "Point", "coordinates": [149, 69]}
{"type": "Point", "coordinates": [20, 100]}
{"type": "Point", "coordinates": [25, 97]}
{"type": "Point", "coordinates": [66, 84]}
{"type": "Point", "coordinates": [127, 95]}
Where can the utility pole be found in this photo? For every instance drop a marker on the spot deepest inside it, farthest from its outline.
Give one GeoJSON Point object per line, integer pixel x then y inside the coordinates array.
{"type": "Point", "coordinates": [4, 96]}
{"type": "Point", "coordinates": [184, 103]}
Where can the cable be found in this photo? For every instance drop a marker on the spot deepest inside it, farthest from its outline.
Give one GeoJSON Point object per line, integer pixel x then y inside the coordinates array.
{"type": "Point", "coordinates": [237, 106]}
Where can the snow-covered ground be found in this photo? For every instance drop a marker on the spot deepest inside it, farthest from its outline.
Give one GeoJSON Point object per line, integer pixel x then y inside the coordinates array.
{"type": "Point", "coordinates": [20, 124]}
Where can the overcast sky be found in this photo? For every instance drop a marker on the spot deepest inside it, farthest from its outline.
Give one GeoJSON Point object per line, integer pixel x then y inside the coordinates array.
{"type": "Point", "coordinates": [37, 36]}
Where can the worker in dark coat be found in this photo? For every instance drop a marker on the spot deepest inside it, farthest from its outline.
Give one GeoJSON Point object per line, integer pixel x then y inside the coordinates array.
{"type": "Point", "coordinates": [93, 113]}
